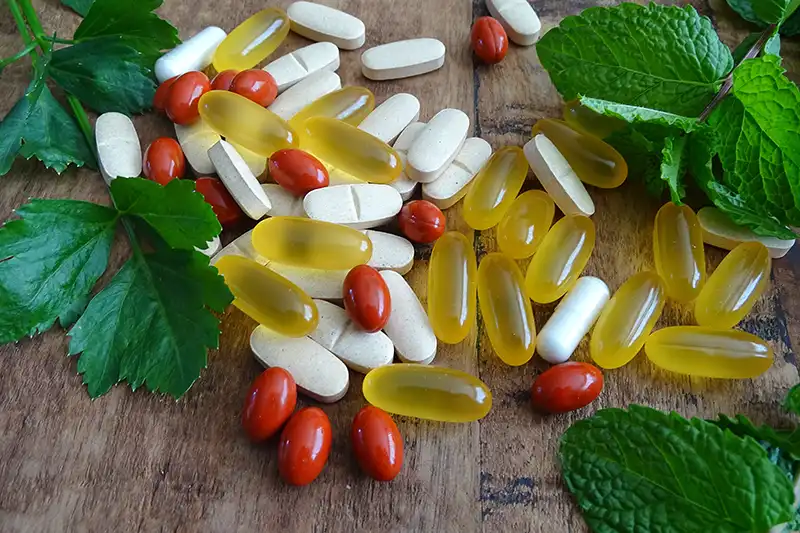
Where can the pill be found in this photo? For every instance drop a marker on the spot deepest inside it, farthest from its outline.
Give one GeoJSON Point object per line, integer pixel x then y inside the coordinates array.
{"type": "Point", "coordinates": [525, 224]}
{"type": "Point", "coordinates": [408, 326]}
{"type": "Point", "coordinates": [306, 91]}
{"type": "Point", "coordinates": [360, 206]}
{"type": "Point", "coordinates": [446, 190]}
{"type": "Point", "coordinates": [195, 140]}
{"type": "Point", "coordinates": [390, 118]}
{"type": "Point", "coordinates": [572, 319]}
{"type": "Point", "coordinates": [518, 18]}
{"type": "Point", "coordinates": [709, 353]}
{"type": "Point", "coordinates": [212, 247]}
{"type": "Point", "coordinates": [252, 41]}
{"type": "Point", "coordinates": [557, 177]}
{"type": "Point", "coordinates": [242, 246]}
{"type": "Point", "coordinates": [297, 171]}
{"type": "Point", "coordinates": [295, 66]}
{"type": "Point", "coordinates": [119, 153]}
{"type": "Point", "coordinates": [678, 249]}
{"type": "Point", "coordinates": [349, 104]}
{"type": "Point", "coordinates": [560, 259]}
{"type": "Point", "coordinates": [494, 188]}
{"type": "Point", "coordinates": [317, 372]}
{"type": "Point", "coordinates": [284, 203]}
{"type": "Point", "coordinates": [366, 298]}
{"type": "Point", "coordinates": [489, 40]}
{"type": "Point", "coordinates": [255, 162]}
{"type": "Point", "coordinates": [421, 221]}
{"type": "Point", "coordinates": [240, 182]}
{"type": "Point", "coordinates": [163, 160]}
{"type": "Point", "coordinates": [403, 59]}
{"type": "Point", "coordinates": [194, 53]}
{"type": "Point", "coordinates": [340, 177]}
{"type": "Point", "coordinates": [437, 145]}
{"type": "Point", "coordinates": [428, 392]}
{"type": "Point", "coordinates": [403, 184]}
{"type": "Point", "coordinates": [720, 231]}
{"type": "Point", "coordinates": [222, 203]}
{"type": "Point", "coordinates": [452, 282]}
{"type": "Point", "coordinates": [583, 119]}
{"type": "Point", "coordinates": [323, 23]}
{"type": "Point", "coordinates": [390, 252]}
{"type": "Point", "coordinates": [566, 387]}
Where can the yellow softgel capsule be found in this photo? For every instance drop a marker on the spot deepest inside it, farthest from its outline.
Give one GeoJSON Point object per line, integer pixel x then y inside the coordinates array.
{"type": "Point", "coordinates": [452, 280]}
{"type": "Point", "coordinates": [429, 392]}
{"type": "Point", "coordinates": [351, 150]}
{"type": "Point", "coordinates": [252, 41]}
{"type": "Point", "coordinates": [627, 320]}
{"type": "Point", "coordinates": [584, 119]}
{"type": "Point", "coordinates": [708, 352]}
{"type": "Point", "coordinates": [734, 287]}
{"type": "Point", "coordinates": [594, 161]}
{"type": "Point", "coordinates": [560, 259]}
{"type": "Point", "coordinates": [678, 249]}
{"type": "Point", "coordinates": [268, 297]}
{"type": "Point", "coordinates": [494, 188]}
{"type": "Point", "coordinates": [523, 228]}
{"type": "Point", "coordinates": [349, 104]}
{"type": "Point", "coordinates": [506, 310]}
{"type": "Point", "coordinates": [242, 121]}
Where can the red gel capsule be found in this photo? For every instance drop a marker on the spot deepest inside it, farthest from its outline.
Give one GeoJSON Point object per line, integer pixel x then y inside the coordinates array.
{"type": "Point", "coordinates": [164, 161]}
{"type": "Point", "coordinates": [217, 196]}
{"type": "Point", "coordinates": [222, 81]}
{"type": "Point", "coordinates": [162, 94]}
{"type": "Point", "coordinates": [297, 171]}
{"type": "Point", "coordinates": [377, 443]}
{"type": "Point", "coordinates": [366, 298]}
{"type": "Point", "coordinates": [256, 85]}
{"type": "Point", "coordinates": [566, 387]}
{"type": "Point", "coordinates": [181, 106]}
{"type": "Point", "coordinates": [269, 403]}
{"type": "Point", "coordinates": [421, 221]}
{"type": "Point", "coordinates": [304, 446]}
{"type": "Point", "coordinates": [489, 40]}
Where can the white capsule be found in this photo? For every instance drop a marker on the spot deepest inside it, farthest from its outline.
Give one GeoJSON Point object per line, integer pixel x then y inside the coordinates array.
{"type": "Point", "coordinates": [119, 154]}
{"type": "Point", "coordinates": [195, 140]}
{"type": "Point", "coordinates": [557, 177]}
{"type": "Point", "coordinates": [323, 23]}
{"type": "Point", "coordinates": [298, 65]}
{"type": "Point", "coordinates": [390, 118]}
{"type": "Point", "coordinates": [403, 59]}
{"type": "Point", "coordinates": [195, 53]}
{"type": "Point", "coordinates": [295, 98]}
{"type": "Point", "coordinates": [390, 252]}
{"type": "Point", "coordinates": [437, 145]}
{"type": "Point", "coordinates": [446, 190]}
{"type": "Point", "coordinates": [408, 327]}
{"type": "Point", "coordinates": [359, 206]}
{"type": "Point", "coordinates": [720, 231]}
{"type": "Point", "coordinates": [518, 19]}
{"type": "Point", "coordinates": [284, 203]}
{"type": "Point", "coordinates": [239, 180]}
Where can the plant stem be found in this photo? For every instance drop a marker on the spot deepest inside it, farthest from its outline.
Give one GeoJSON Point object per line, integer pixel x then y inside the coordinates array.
{"type": "Point", "coordinates": [16, 13]}
{"type": "Point", "coordinates": [19, 55]}
{"type": "Point", "coordinates": [83, 121]}
{"type": "Point", "coordinates": [33, 19]}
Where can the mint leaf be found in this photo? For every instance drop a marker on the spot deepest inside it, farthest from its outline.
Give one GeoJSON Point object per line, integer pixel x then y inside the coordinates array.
{"type": "Point", "coordinates": [764, 12]}
{"type": "Point", "coordinates": [643, 470]}
{"type": "Point", "coordinates": [642, 145]}
{"type": "Point", "coordinates": [81, 7]}
{"type": "Point", "coordinates": [745, 10]}
{"type": "Point", "coordinates": [659, 57]}
{"type": "Point", "coordinates": [792, 401]}
{"type": "Point", "coordinates": [673, 166]}
{"type": "Point", "coordinates": [638, 115]}
{"type": "Point", "coordinates": [740, 425]}
{"type": "Point", "coordinates": [133, 20]}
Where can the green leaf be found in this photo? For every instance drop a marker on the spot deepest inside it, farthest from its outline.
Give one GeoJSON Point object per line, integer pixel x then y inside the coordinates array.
{"type": "Point", "coordinates": [792, 401]}
{"type": "Point", "coordinates": [638, 115]}
{"type": "Point", "coordinates": [740, 425]}
{"type": "Point", "coordinates": [642, 145]}
{"type": "Point", "coordinates": [791, 27]}
{"type": "Point", "coordinates": [659, 57]}
{"type": "Point", "coordinates": [81, 7]}
{"type": "Point", "coordinates": [133, 20]}
{"type": "Point", "coordinates": [764, 12]}
{"type": "Point", "coordinates": [771, 47]}
{"type": "Point", "coordinates": [673, 166]}
{"type": "Point", "coordinates": [643, 470]}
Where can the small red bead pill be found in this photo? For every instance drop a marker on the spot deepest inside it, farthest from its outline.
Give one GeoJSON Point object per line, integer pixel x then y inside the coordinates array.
{"type": "Point", "coordinates": [489, 40]}
{"type": "Point", "coordinates": [162, 94]}
{"type": "Point", "coordinates": [421, 221]}
{"type": "Point", "coordinates": [181, 106]}
{"type": "Point", "coordinates": [304, 446]}
{"type": "Point", "coordinates": [225, 207]}
{"type": "Point", "coordinates": [163, 160]}
{"type": "Point", "coordinates": [269, 403]}
{"type": "Point", "coordinates": [223, 80]}
{"type": "Point", "coordinates": [566, 387]}
{"type": "Point", "coordinates": [297, 171]}
{"type": "Point", "coordinates": [366, 298]}
{"type": "Point", "coordinates": [377, 443]}
{"type": "Point", "coordinates": [256, 85]}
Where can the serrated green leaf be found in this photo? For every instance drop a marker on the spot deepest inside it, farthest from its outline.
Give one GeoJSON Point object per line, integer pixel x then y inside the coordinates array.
{"type": "Point", "coordinates": [641, 145]}
{"type": "Point", "coordinates": [740, 425]}
{"type": "Point", "coordinates": [133, 20]}
{"type": "Point", "coordinates": [639, 115]}
{"type": "Point", "coordinates": [792, 401]}
{"type": "Point", "coordinates": [81, 7]}
{"type": "Point", "coordinates": [673, 166]}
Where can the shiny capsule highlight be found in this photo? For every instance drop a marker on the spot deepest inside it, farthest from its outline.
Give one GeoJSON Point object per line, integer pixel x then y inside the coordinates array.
{"type": "Point", "coordinates": [452, 284]}
{"type": "Point", "coordinates": [494, 188]}
{"type": "Point", "coordinates": [252, 41]}
{"type": "Point", "coordinates": [524, 226]}
{"type": "Point", "coordinates": [348, 104]}
{"type": "Point", "coordinates": [678, 249]}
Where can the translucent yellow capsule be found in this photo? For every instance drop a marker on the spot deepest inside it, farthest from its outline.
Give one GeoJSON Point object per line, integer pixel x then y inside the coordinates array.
{"type": "Point", "coordinates": [429, 392]}
{"type": "Point", "coordinates": [252, 41]}
{"type": "Point", "coordinates": [506, 310]}
{"type": "Point", "coordinates": [678, 249]}
{"type": "Point", "coordinates": [708, 352]}
{"type": "Point", "coordinates": [560, 259]}
{"type": "Point", "coordinates": [523, 228]}
{"type": "Point", "coordinates": [732, 290]}
{"type": "Point", "coordinates": [349, 104]}
{"type": "Point", "coordinates": [351, 150]}
{"type": "Point", "coordinates": [593, 160]}
{"type": "Point", "coordinates": [452, 280]}
{"type": "Point", "coordinates": [308, 243]}
{"type": "Point", "coordinates": [244, 122]}
{"type": "Point", "coordinates": [268, 297]}
{"type": "Point", "coordinates": [584, 119]}
{"type": "Point", "coordinates": [627, 320]}
{"type": "Point", "coordinates": [495, 187]}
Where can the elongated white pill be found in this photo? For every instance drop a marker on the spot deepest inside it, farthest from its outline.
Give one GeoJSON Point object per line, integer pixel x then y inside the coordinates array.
{"type": "Point", "coordinates": [195, 53]}
{"type": "Point", "coordinates": [518, 19]}
{"type": "Point", "coordinates": [446, 190]}
{"type": "Point", "coordinates": [390, 252]}
{"type": "Point", "coordinates": [390, 118]}
{"type": "Point", "coordinates": [323, 23]}
{"type": "Point", "coordinates": [239, 180]}
{"type": "Point", "coordinates": [437, 145]}
{"type": "Point", "coordinates": [317, 283]}
{"type": "Point", "coordinates": [408, 326]}
{"type": "Point", "coordinates": [284, 203]}
{"type": "Point", "coordinates": [295, 66]}
{"type": "Point", "coordinates": [359, 206]}
{"type": "Point", "coordinates": [119, 153]}
{"type": "Point", "coordinates": [295, 98]}
{"type": "Point", "coordinates": [722, 232]}
{"type": "Point", "coordinates": [195, 140]}
{"type": "Point", "coordinates": [403, 59]}
{"type": "Point", "coordinates": [557, 177]}
{"type": "Point", "coordinates": [403, 184]}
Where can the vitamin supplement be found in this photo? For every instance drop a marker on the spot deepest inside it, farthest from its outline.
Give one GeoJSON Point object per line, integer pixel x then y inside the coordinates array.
{"type": "Point", "coordinates": [560, 259]}
{"type": "Point", "coordinates": [679, 255]}
{"type": "Point", "coordinates": [240, 182]}
{"type": "Point", "coordinates": [627, 320]}
{"type": "Point", "coordinates": [162, 94]}
{"type": "Point", "coordinates": [220, 200]}
{"type": "Point", "coordinates": [323, 23]}
{"type": "Point", "coordinates": [594, 161]}
{"type": "Point", "coordinates": [255, 85]}
{"type": "Point", "coordinates": [304, 447]}
{"type": "Point", "coordinates": [269, 404]}
{"type": "Point", "coordinates": [184, 97]}
{"type": "Point", "coordinates": [223, 80]}
{"type": "Point", "coordinates": [446, 190]}
{"type": "Point", "coordinates": [297, 171]}
{"type": "Point", "coordinates": [526, 223]}
{"type": "Point", "coordinates": [359, 206]}
{"type": "Point", "coordinates": [428, 392]}
{"type": "Point", "coordinates": [195, 140]}
{"type": "Point", "coordinates": [452, 282]}
{"type": "Point", "coordinates": [506, 310]}
{"type": "Point", "coordinates": [734, 287]}
{"type": "Point", "coordinates": [437, 145]}
{"type": "Point", "coordinates": [252, 41]}
{"type": "Point", "coordinates": [163, 160]}
{"type": "Point", "coordinates": [193, 54]}
{"type": "Point", "coordinates": [212, 247]}
{"type": "Point", "coordinates": [349, 104]}
{"type": "Point", "coordinates": [720, 231]}
{"type": "Point", "coordinates": [340, 177]}
{"type": "Point", "coordinates": [709, 353]}
{"type": "Point", "coordinates": [557, 177]}
{"type": "Point", "coordinates": [408, 326]}
{"type": "Point", "coordinates": [366, 298]}
{"type": "Point", "coordinates": [255, 162]}
{"type": "Point", "coordinates": [584, 119]}
{"type": "Point", "coordinates": [268, 298]}
{"type": "Point", "coordinates": [566, 387]}
{"type": "Point", "coordinates": [307, 243]}
{"type": "Point", "coordinates": [377, 444]}
{"type": "Point", "coordinates": [572, 320]}
{"type": "Point", "coordinates": [295, 66]}
{"type": "Point", "coordinates": [284, 203]}
{"type": "Point", "coordinates": [390, 118]}
{"type": "Point", "coordinates": [421, 221]}
{"type": "Point", "coordinates": [390, 252]}
{"type": "Point", "coordinates": [241, 246]}
{"type": "Point", "coordinates": [518, 18]}
{"type": "Point", "coordinates": [489, 40]}
{"type": "Point", "coordinates": [494, 188]}
{"type": "Point", "coordinates": [403, 184]}
{"type": "Point", "coordinates": [402, 59]}
{"type": "Point", "coordinates": [119, 153]}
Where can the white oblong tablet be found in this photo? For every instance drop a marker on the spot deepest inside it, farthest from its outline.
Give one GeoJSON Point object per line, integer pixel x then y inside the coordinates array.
{"type": "Point", "coordinates": [402, 59]}
{"type": "Point", "coordinates": [359, 206]}
{"type": "Point", "coordinates": [722, 232]}
{"type": "Point", "coordinates": [317, 283]}
{"type": "Point", "coordinates": [212, 247]}
{"type": "Point", "coordinates": [403, 184]}
{"type": "Point", "coordinates": [194, 53]}
{"type": "Point", "coordinates": [241, 246]}
{"type": "Point", "coordinates": [295, 66]}
{"type": "Point", "coordinates": [557, 177]}
{"type": "Point", "coordinates": [446, 190]}
{"type": "Point", "coordinates": [518, 19]}
{"type": "Point", "coordinates": [390, 118]}
{"type": "Point", "coordinates": [119, 154]}
{"type": "Point", "coordinates": [195, 140]}
{"type": "Point", "coordinates": [572, 319]}
{"type": "Point", "coordinates": [358, 349]}
{"type": "Point", "coordinates": [323, 23]}
{"type": "Point", "coordinates": [257, 163]}
{"type": "Point", "coordinates": [284, 203]}
{"type": "Point", "coordinates": [390, 252]}
{"type": "Point", "coordinates": [316, 371]}
{"type": "Point", "coordinates": [437, 145]}
{"type": "Point", "coordinates": [408, 326]}
{"type": "Point", "coordinates": [295, 98]}
{"type": "Point", "coordinates": [239, 180]}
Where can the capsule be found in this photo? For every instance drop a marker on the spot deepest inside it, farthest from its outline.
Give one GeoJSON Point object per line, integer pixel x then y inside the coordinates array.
{"type": "Point", "coordinates": [708, 352]}
{"type": "Point", "coordinates": [560, 259]}
{"type": "Point", "coordinates": [349, 104]}
{"type": "Point", "coordinates": [627, 320]}
{"type": "Point", "coordinates": [495, 187]}
{"type": "Point", "coordinates": [303, 242]}
{"type": "Point", "coordinates": [252, 41]}
{"type": "Point", "coordinates": [593, 160]}
{"type": "Point", "coordinates": [452, 281]}
{"type": "Point", "coordinates": [242, 121]}
{"type": "Point", "coordinates": [506, 310]}
{"type": "Point", "coordinates": [583, 119]}
{"type": "Point", "coordinates": [429, 392]}
{"type": "Point", "coordinates": [523, 228]}
{"type": "Point", "coordinates": [347, 148]}
{"type": "Point", "coordinates": [678, 249]}
{"type": "Point", "coordinates": [732, 290]}
{"type": "Point", "coordinates": [268, 297]}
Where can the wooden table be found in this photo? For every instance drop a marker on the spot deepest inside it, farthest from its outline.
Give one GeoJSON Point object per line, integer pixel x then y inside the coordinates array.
{"type": "Point", "coordinates": [134, 461]}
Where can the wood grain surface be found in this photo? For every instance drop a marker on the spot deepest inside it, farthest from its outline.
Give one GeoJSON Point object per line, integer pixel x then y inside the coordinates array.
{"type": "Point", "coordinates": [137, 462]}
